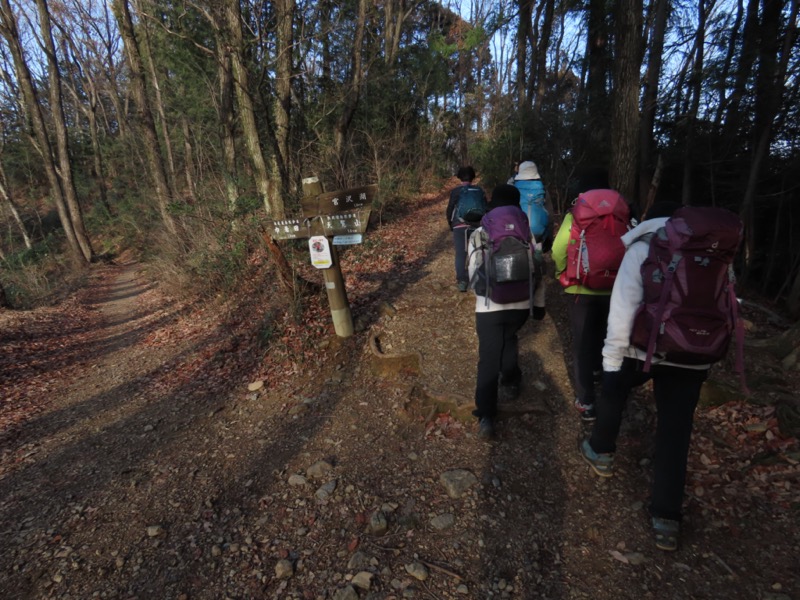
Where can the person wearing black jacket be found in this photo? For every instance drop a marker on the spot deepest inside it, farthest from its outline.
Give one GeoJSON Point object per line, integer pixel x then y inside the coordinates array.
{"type": "Point", "coordinates": [461, 230]}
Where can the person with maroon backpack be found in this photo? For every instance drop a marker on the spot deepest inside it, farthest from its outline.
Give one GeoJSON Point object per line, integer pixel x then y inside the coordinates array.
{"type": "Point", "coordinates": [503, 274]}
{"type": "Point", "coordinates": [587, 252]}
{"type": "Point", "coordinates": [673, 311]}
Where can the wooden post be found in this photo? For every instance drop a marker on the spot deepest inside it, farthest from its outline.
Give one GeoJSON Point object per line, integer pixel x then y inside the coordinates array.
{"type": "Point", "coordinates": [337, 297]}
{"type": "Point", "coordinates": [334, 281]}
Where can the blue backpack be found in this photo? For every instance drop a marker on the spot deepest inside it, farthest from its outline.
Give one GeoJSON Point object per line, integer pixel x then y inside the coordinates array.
{"type": "Point", "coordinates": [471, 206]}
{"type": "Point", "coordinates": [531, 201]}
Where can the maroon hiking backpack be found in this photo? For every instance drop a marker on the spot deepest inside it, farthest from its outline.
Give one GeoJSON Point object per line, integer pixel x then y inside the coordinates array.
{"type": "Point", "coordinates": [594, 252]}
{"type": "Point", "coordinates": [689, 310]}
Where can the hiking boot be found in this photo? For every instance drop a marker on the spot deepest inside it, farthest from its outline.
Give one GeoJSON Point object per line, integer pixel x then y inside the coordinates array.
{"type": "Point", "coordinates": [463, 286]}
{"type": "Point", "coordinates": [586, 411]}
{"type": "Point", "coordinates": [486, 428]}
{"type": "Point", "coordinates": [666, 533]}
{"type": "Point", "coordinates": [602, 464]}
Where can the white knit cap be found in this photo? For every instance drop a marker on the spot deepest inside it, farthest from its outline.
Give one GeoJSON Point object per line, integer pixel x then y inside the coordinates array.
{"type": "Point", "coordinates": [527, 170]}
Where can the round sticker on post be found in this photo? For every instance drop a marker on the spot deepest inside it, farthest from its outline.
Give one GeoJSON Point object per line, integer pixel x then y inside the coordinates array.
{"type": "Point", "coordinates": [320, 252]}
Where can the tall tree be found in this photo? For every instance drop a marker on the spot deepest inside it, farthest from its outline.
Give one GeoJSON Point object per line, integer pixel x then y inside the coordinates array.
{"type": "Point", "coordinates": [625, 114]}
{"type": "Point", "coordinates": [660, 14]}
{"type": "Point", "coordinates": [63, 154]}
{"type": "Point", "coordinates": [8, 28]}
{"type": "Point", "coordinates": [146, 123]}
{"type": "Point", "coordinates": [695, 91]}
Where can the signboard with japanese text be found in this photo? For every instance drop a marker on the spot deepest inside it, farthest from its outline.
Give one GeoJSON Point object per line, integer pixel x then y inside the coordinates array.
{"type": "Point", "coordinates": [346, 223]}
{"type": "Point", "coordinates": [289, 229]}
{"type": "Point", "coordinates": [339, 201]}
{"type": "Point", "coordinates": [347, 240]}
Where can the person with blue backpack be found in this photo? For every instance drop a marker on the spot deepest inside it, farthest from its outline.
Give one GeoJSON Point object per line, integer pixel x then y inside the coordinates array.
{"type": "Point", "coordinates": [504, 273]}
{"type": "Point", "coordinates": [533, 202]}
{"type": "Point", "coordinates": [465, 209]}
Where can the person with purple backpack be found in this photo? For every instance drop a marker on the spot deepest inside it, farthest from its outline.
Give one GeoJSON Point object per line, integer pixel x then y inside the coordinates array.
{"type": "Point", "coordinates": [672, 313]}
{"type": "Point", "coordinates": [503, 275]}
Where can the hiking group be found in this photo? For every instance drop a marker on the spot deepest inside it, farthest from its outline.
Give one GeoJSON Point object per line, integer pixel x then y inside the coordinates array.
{"type": "Point", "coordinates": [650, 301]}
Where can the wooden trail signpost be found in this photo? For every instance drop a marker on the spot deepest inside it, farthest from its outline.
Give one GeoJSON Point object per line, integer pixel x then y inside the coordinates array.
{"type": "Point", "coordinates": [342, 216]}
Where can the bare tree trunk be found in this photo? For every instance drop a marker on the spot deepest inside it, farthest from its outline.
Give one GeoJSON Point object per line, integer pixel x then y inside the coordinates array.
{"type": "Point", "coordinates": [40, 138]}
{"type": "Point", "coordinates": [769, 94]}
{"type": "Point", "coordinates": [60, 129]}
{"type": "Point", "coordinates": [353, 87]}
{"type": "Point", "coordinates": [541, 58]}
{"type": "Point", "coordinates": [8, 200]}
{"type": "Point", "coordinates": [661, 9]}
{"type": "Point", "coordinates": [158, 101]}
{"type": "Point", "coordinates": [148, 127]}
{"type": "Point", "coordinates": [726, 68]}
{"type": "Point", "coordinates": [625, 115]}
{"type": "Point", "coordinates": [226, 120]}
{"type": "Point", "coordinates": [283, 98]}
{"type": "Point", "coordinates": [747, 59]}
{"type": "Point", "coordinates": [188, 159]}
{"type": "Point", "coordinates": [273, 204]}
{"type": "Point", "coordinates": [695, 89]}
{"type": "Point", "coordinates": [523, 33]}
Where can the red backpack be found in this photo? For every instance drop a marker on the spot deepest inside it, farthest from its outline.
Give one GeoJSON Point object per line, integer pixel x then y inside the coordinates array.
{"type": "Point", "coordinates": [594, 252]}
{"type": "Point", "coordinates": [689, 310]}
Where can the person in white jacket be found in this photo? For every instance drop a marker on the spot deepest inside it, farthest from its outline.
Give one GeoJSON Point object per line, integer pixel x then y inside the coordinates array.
{"type": "Point", "coordinates": [676, 389]}
{"type": "Point", "coordinates": [497, 326]}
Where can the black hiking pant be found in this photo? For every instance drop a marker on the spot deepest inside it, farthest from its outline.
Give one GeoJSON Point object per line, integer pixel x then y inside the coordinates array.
{"type": "Point", "coordinates": [588, 316]}
{"type": "Point", "coordinates": [676, 391]}
{"type": "Point", "coordinates": [460, 240]}
{"type": "Point", "coordinates": [498, 353]}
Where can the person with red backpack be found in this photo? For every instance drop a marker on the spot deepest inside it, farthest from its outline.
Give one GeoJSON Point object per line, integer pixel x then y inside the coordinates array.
{"type": "Point", "coordinates": [503, 274]}
{"type": "Point", "coordinates": [587, 252]}
{"type": "Point", "coordinates": [465, 209]}
{"type": "Point", "coordinates": [673, 311]}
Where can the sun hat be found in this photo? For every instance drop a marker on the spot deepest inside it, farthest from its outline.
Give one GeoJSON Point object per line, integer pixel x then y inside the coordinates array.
{"type": "Point", "coordinates": [527, 170]}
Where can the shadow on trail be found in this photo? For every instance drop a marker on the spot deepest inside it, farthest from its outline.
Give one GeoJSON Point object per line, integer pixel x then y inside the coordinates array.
{"type": "Point", "coordinates": [149, 465]}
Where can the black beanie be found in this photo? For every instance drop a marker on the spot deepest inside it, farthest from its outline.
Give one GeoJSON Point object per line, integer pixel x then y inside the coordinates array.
{"type": "Point", "coordinates": [504, 195]}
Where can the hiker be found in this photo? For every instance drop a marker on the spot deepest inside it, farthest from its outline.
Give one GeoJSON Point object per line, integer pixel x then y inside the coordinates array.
{"type": "Point", "coordinates": [501, 309]}
{"type": "Point", "coordinates": [644, 284]}
{"type": "Point", "coordinates": [535, 202]}
{"type": "Point", "coordinates": [464, 211]}
{"type": "Point", "coordinates": [587, 251]}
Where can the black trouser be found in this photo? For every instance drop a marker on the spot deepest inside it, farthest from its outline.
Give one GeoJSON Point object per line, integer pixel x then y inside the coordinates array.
{"type": "Point", "coordinates": [460, 240]}
{"type": "Point", "coordinates": [588, 317]}
{"type": "Point", "coordinates": [498, 354]}
{"type": "Point", "coordinates": [676, 391]}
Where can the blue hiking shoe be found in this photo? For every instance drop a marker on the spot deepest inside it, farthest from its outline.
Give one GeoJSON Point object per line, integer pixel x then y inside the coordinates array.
{"type": "Point", "coordinates": [602, 464]}
{"type": "Point", "coordinates": [666, 533]}
{"type": "Point", "coordinates": [486, 429]}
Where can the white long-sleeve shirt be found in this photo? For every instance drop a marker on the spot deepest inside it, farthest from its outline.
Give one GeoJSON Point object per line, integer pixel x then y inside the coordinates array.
{"type": "Point", "coordinates": [627, 296]}
{"type": "Point", "coordinates": [484, 304]}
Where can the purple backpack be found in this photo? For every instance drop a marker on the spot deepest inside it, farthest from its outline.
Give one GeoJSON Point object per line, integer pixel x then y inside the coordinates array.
{"type": "Point", "coordinates": [689, 310]}
{"type": "Point", "coordinates": [506, 274]}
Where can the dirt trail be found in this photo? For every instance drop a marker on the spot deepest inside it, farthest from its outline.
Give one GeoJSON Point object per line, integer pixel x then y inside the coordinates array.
{"type": "Point", "coordinates": [139, 477]}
